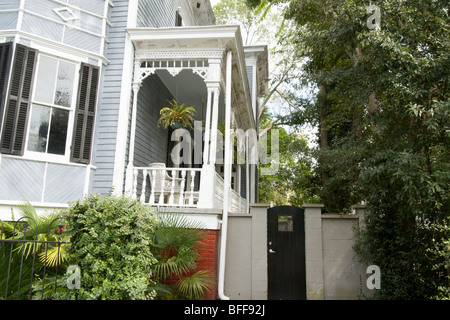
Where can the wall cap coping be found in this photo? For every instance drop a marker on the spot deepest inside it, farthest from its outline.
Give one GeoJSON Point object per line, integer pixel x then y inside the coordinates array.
{"type": "Point", "coordinates": [239, 215]}
{"type": "Point", "coordinates": [263, 205]}
{"type": "Point", "coordinates": [313, 205]}
{"type": "Point", "coordinates": [339, 216]}
{"type": "Point", "coordinates": [190, 210]}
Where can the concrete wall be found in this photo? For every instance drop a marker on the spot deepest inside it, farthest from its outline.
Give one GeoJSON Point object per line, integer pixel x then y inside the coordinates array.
{"type": "Point", "coordinates": [332, 269]}
{"type": "Point", "coordinates": [246, 257]}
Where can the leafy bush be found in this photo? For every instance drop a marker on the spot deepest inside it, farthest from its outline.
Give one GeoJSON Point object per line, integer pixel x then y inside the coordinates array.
{"type": "Point", "coordinates": [110, 240]}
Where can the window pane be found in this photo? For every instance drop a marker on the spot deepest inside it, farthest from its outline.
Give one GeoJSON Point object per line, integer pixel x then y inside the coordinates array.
{"type": "Point", "coordinates": [58, 131]}
{"type": "Point", "coordinates": [285, 223]}
{"type": "Point", "coordinates": [37, 137]}
{"type": "Point", "coordinates": [46, 77]}
{"type": "Point", "coordinates": [64, 84]}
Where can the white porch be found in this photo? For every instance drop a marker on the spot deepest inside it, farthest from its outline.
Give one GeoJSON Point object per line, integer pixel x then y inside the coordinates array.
{"type": "Point", "coordinates": [215, 55]}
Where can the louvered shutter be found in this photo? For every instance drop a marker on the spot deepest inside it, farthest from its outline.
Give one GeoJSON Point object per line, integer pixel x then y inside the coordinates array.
{"type": "Point", "coordinates": [5, 65]}
{"type": "Point", "coordinates": [18, 101]}
{"type": "Point", "coordinates": [85, 114]}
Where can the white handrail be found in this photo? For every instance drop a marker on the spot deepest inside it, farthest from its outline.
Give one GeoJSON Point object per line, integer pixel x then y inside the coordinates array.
{"type": "Point", "coordinates": [167, 186]}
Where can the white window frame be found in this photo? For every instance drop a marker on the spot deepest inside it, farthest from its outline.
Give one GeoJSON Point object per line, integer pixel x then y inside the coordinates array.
{"type": "Point", "coordinates": [44, 156]}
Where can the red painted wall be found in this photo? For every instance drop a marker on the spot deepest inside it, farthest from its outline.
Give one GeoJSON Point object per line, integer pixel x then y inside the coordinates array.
{"type": "Point", "coordinates": [209, 258]}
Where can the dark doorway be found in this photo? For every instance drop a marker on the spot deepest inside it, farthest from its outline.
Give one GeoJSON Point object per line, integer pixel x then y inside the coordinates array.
{"type": "Point", "coordinates": [286, 253]}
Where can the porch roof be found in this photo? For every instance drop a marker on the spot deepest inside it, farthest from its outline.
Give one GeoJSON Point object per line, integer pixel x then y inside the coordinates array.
{"type": "Point", "coordinates": [201, 42]}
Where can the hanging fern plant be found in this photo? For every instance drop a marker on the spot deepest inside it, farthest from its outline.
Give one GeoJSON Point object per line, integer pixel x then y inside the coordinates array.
{"type": "Point", "coordinates": [177, 115]}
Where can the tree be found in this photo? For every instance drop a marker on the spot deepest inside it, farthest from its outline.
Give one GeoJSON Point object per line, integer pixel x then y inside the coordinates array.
{"type": "Point", "coordinates": [382, 110]}
{"type": "Point", "coordinates": [263, 26]}
{"type": "Point", "coordinates": [292, 183]}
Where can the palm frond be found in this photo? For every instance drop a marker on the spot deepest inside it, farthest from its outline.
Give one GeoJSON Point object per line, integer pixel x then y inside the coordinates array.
{"type": "Point", "coordinates": [53, 256]}
{"type": "Point", "coordinates": [197, 285]}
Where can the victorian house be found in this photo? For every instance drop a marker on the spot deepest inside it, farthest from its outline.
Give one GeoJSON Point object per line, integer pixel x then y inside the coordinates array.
{"type": "Point", "coordinates": [82, 84]}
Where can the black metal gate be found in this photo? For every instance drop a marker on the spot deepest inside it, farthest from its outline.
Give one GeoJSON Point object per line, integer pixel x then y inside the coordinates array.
{"type": "Point", "coordinates": [286, 253]}
{"type": "Point", "coordinates": [30, 256]}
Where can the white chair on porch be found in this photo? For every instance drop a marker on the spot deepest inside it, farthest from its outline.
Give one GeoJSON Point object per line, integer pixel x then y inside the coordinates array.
{"type": "Point", "coordinates": [163, 185]}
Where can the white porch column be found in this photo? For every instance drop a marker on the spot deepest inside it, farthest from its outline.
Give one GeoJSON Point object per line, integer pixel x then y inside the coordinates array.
{"type": "Point", "coordinates": [227, 179]}
{"type": "Point", "coordinates": [214, 122]}
{"type": "Point", "coordinates": [207, 125]}
{"type": "Point", "coordinates": [247, 173]}
{"type": "Point", "coordinates": [208, 175]}
{"type": "Point", "coordinates": [129, 176]}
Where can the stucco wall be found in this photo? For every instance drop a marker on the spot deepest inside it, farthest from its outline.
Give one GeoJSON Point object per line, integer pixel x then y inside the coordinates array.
{"type": "Point", "coordinates": [246, 256]}
{"type": "Point", "coordinates": [332, 269]}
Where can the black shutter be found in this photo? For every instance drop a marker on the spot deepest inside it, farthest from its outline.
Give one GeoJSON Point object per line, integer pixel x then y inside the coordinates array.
{"type": "Point", "coordinates": [18, 101]}
{"type": "Point", "coordinates": [5, 66]}
{"type": "Point", "coordinates": [85, 114]}
{"type": "Point", "coordinates": [178, 19]}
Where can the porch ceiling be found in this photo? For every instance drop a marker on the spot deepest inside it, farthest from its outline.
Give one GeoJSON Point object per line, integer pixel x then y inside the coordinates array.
{"type": "Point", "coordinates": [200, 42]}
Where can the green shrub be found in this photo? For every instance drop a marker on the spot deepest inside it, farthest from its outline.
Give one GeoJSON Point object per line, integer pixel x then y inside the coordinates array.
{"type": "Point", "coordinates": [110, 241]}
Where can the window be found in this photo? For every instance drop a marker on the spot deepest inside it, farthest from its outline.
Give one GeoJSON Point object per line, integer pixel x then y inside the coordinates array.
{"type": "Point", "coordinates": [44, 107]}
{"type": "Point", "coordinates": [52, 104]}
{"type": "Point", "coordinates": [285, 223]}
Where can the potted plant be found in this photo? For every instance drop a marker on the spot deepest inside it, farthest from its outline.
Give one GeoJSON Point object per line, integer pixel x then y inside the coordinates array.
{"type": "Point", "coordinates": [176, 116]}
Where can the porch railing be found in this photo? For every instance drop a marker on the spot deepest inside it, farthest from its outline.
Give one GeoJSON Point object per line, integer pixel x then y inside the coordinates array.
{"type": "Point", "coordinates": [236, 202]}
{"type": "Point", "coordinates": [167, 186]}
{"type": "Point", "coordinates": [179, 187]}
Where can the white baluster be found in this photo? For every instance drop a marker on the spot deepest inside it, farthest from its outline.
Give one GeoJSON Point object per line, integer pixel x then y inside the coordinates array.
{"type": "Point", "coordinates": [135, 176]}
{"type": "Point", "coordinates": [163, 184]}
{"type": "Point", "coordinates": [191, 194]}
{"type": "Point", "coordinates": [144, 185]}
{"type": "Point", "coordinates": [172, 188]}
{"type": "Point", "coordinates": [181, 199]}
{"type": "Point", "coordinates": [153, 186]}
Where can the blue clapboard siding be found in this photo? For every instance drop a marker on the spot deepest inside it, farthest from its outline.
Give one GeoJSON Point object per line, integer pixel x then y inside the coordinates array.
{"type": "Point", "coordinates": [41, 27]}
{"type": "Point", "coordinates": [156, 13]}
{"type": "Point", "coordinates": [64, 183]}
{"type": "Point", "coordinates": [109, 101]}
{"type": "Point", "coordinates": [36, 180]}
{"type": "Point", "coordinates": [151, 140]}
{"type": "Point", "coordinates": [8, 20]}
{"type": "Point", "coordinates": [21, 179]}
{"type": "Point", "coordinates": [85, 32]}
{"type": "Point", "coordinates": [9, 4]}
{"type": "Point", "coordinates": [94, 6]}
